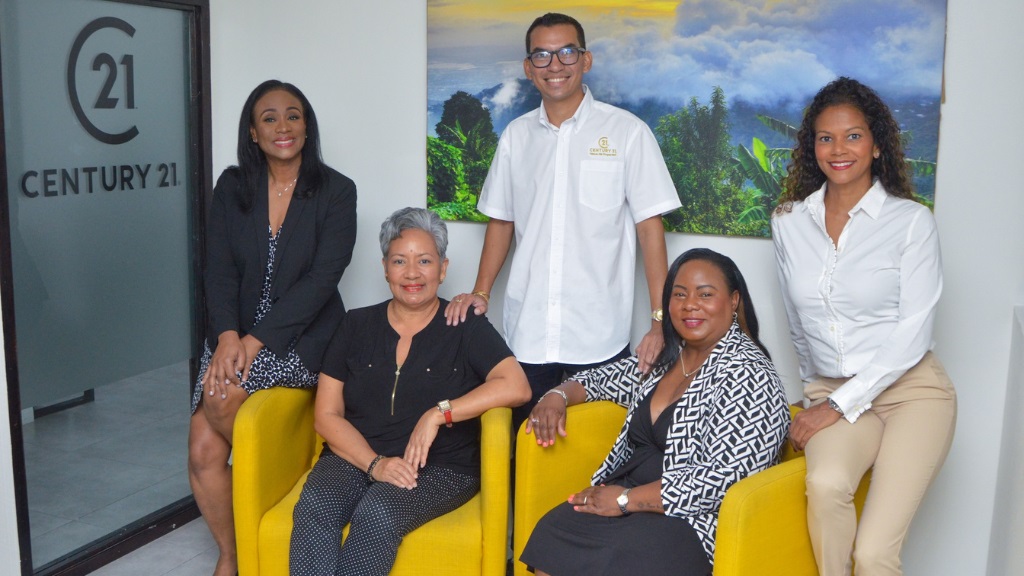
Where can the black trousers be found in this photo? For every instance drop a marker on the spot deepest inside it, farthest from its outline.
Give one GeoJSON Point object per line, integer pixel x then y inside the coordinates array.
{"type": "Point", "coordinates": [337, 493]}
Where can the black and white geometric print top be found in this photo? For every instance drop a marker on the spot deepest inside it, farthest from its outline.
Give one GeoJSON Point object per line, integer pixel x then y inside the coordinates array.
{"type": "Point", "coordinates": [730, 423]}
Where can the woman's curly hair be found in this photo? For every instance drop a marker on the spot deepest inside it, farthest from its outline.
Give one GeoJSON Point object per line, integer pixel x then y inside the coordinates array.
{"type": "Point", "coordinates": [805, 177]}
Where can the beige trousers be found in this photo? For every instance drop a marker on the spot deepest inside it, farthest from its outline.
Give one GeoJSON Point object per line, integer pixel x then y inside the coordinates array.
{"type": "Point", "coordinates": [905, 437]}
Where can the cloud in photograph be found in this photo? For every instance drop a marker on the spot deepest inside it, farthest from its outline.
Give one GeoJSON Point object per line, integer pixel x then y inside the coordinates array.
{"type": "Point", "coordinates": [777, 53]}
{"type": "Point", "coordinates": [765, 54]}
{"type": "Point", "coordinates": [768, 53]}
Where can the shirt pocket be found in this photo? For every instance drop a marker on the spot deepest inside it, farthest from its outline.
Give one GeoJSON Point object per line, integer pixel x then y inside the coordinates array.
{"type": "Point", "coordinates": [367, 390]}
{"type": "Point", "coordinates": [602, 184]}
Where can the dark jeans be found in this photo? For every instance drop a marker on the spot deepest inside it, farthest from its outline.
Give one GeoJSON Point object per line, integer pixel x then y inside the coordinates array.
{"type": "Point", "coordinates": [544, 377]}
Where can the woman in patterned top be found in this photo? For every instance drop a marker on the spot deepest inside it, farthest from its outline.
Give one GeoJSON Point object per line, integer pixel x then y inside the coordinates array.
{"type": "Point", "coordinates": [711, 412]}
{"type": "Point", "coordinates": [281, 230]}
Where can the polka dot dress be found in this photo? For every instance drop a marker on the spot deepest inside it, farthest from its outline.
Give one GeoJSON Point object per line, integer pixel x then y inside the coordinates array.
{"type": "Point", "coordinates": [381, 514]}
{"type": "Point", "coordinates": [267, 370]}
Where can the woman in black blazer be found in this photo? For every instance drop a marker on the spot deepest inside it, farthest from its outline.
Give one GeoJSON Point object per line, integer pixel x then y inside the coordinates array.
{"type": "Point", "coordinates": [281, 231]}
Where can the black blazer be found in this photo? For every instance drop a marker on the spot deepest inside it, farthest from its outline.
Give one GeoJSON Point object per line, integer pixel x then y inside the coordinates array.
{"type": "Point", "coordinates": [313, 250]}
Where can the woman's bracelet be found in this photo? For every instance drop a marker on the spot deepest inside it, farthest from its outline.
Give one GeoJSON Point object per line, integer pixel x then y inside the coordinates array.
{"type": "Point", "coordinates": [369, 469]}
{"type": "Point", "coordinates": [484, 295]}
{"type": "Point", "coordinates": [555, 391]}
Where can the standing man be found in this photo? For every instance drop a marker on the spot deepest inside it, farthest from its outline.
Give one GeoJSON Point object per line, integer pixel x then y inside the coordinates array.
{"type": "Point", "coordinates": [571, 180]}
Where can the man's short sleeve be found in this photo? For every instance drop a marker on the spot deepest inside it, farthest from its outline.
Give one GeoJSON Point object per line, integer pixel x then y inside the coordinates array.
{"type": "Point", "coordinates": [496, 194]}
{"type": "Point", "coordinates": [649, 187]}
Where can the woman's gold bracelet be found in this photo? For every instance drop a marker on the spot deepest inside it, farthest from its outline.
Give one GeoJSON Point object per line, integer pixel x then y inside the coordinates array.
{"type": "Point", "coordinates": [484, 295]}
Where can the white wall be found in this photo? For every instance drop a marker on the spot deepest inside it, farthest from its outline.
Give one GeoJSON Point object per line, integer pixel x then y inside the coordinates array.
{"type": "Point", "coordinates": [1006, 555]}
{"type": "Point", "coordinates": [979, 204]}
{"type": "Point", "coordinates": [363, 66]}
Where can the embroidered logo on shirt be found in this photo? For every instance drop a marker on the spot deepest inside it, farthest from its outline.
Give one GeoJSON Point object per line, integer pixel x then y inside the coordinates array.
{"type": "Point", "coordinates": [602, 148]}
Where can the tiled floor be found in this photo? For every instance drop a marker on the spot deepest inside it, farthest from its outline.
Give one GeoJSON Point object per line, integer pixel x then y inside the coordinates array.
{"type": "Point", "coordinates": [187, 551]}
{"type": "Point", "coordinates": [95, 468]}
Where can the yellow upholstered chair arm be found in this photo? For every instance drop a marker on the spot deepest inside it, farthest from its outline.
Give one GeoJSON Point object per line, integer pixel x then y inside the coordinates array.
{"type": "Point", "coordinates": [273, 446]}
{"type": "Point", "coordinates": [545, 477]}
{"type": "Point", "coordinates": [495, 452]}
{"type": "Point", "coordinates": [762, 525]}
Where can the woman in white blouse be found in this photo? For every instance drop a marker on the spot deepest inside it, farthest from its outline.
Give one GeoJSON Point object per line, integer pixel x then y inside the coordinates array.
{"type": "Point", "coordinates": [861, 274]}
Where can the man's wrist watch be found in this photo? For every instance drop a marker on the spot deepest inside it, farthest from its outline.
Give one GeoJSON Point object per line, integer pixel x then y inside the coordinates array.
{"type": "Point", "coordinates": [446, 408]}
{"type": "Point", "coordinates": [623, 501]}
{"type": "Point", "coordinates": [832, 404]}
{"type": "Point", "coordinates": [657, 315]}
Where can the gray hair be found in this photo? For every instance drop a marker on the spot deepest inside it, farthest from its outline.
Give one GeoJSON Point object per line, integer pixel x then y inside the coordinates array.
{"type": "Point", "coordinates": [414, 219]}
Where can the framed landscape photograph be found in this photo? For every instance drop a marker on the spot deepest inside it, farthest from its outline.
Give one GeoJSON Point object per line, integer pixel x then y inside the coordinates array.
{"type": "Point", "coordinates": [722, 84]}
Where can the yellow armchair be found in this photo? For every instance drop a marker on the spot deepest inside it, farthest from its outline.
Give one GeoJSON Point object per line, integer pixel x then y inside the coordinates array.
{"type": "Point", "coordinates": [275, 446]}
{"type": "Point", "coordinates": [762, 525]}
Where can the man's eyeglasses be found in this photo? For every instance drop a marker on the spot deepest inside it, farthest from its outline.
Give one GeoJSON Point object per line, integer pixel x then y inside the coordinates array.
{"type": "Point", "coordinates": [567, 56]}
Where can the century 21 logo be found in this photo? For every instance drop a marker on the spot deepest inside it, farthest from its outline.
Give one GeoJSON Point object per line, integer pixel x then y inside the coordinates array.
{"type": "Point", "coordinates": [106, 100]}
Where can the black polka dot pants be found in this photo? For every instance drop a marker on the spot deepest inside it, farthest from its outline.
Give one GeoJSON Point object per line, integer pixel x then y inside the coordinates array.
{"type": "Point", "coordinates": [381, 514]}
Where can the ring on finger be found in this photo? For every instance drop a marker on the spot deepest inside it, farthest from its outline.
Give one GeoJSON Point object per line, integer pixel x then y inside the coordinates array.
{"type": "Point", "coordinates": [535, 420]}
{"type": "Point", "coordinates": [584, 499]}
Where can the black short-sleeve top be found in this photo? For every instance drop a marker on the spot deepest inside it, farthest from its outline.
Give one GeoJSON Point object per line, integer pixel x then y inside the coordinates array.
{"type": "Point", "coordinates": [384, 401]}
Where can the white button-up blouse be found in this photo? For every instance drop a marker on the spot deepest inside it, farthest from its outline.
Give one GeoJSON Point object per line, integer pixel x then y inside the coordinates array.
{"type": "Point", "coordinates": [863, 308]}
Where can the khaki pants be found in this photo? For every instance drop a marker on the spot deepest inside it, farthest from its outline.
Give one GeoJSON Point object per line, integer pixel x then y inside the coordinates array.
{"type": "Point", "coordinates": [905, 437]}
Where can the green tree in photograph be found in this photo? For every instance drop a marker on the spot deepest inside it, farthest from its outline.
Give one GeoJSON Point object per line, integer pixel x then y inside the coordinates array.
{"type": "Point", "coordinates": [697, 151]}
{"type": "Point", "coordinates": [461, 153]}
{"type": "Point", "coordinates": [466, 124]}
{"type": "Point", "coordinates": [445, 180]}
{"type": "Point", "coordinates": [464, 110]}
{"type": "Point", "coordinates": [763, 169]}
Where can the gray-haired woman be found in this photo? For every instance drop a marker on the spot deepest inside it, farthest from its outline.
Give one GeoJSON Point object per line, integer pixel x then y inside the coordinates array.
{"type": "Point", "coordinates": [399, 397]}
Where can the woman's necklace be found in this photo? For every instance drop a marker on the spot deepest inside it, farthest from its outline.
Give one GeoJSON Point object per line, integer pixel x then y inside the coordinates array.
{"type": "Point", "coordinates": [288, 187]}
{"type": "Point", "coordinates": [683, 365]}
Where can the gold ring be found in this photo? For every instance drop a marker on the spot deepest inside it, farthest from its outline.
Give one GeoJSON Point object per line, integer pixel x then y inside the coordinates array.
{"type": "Point", "coordinates": [458, 299]}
